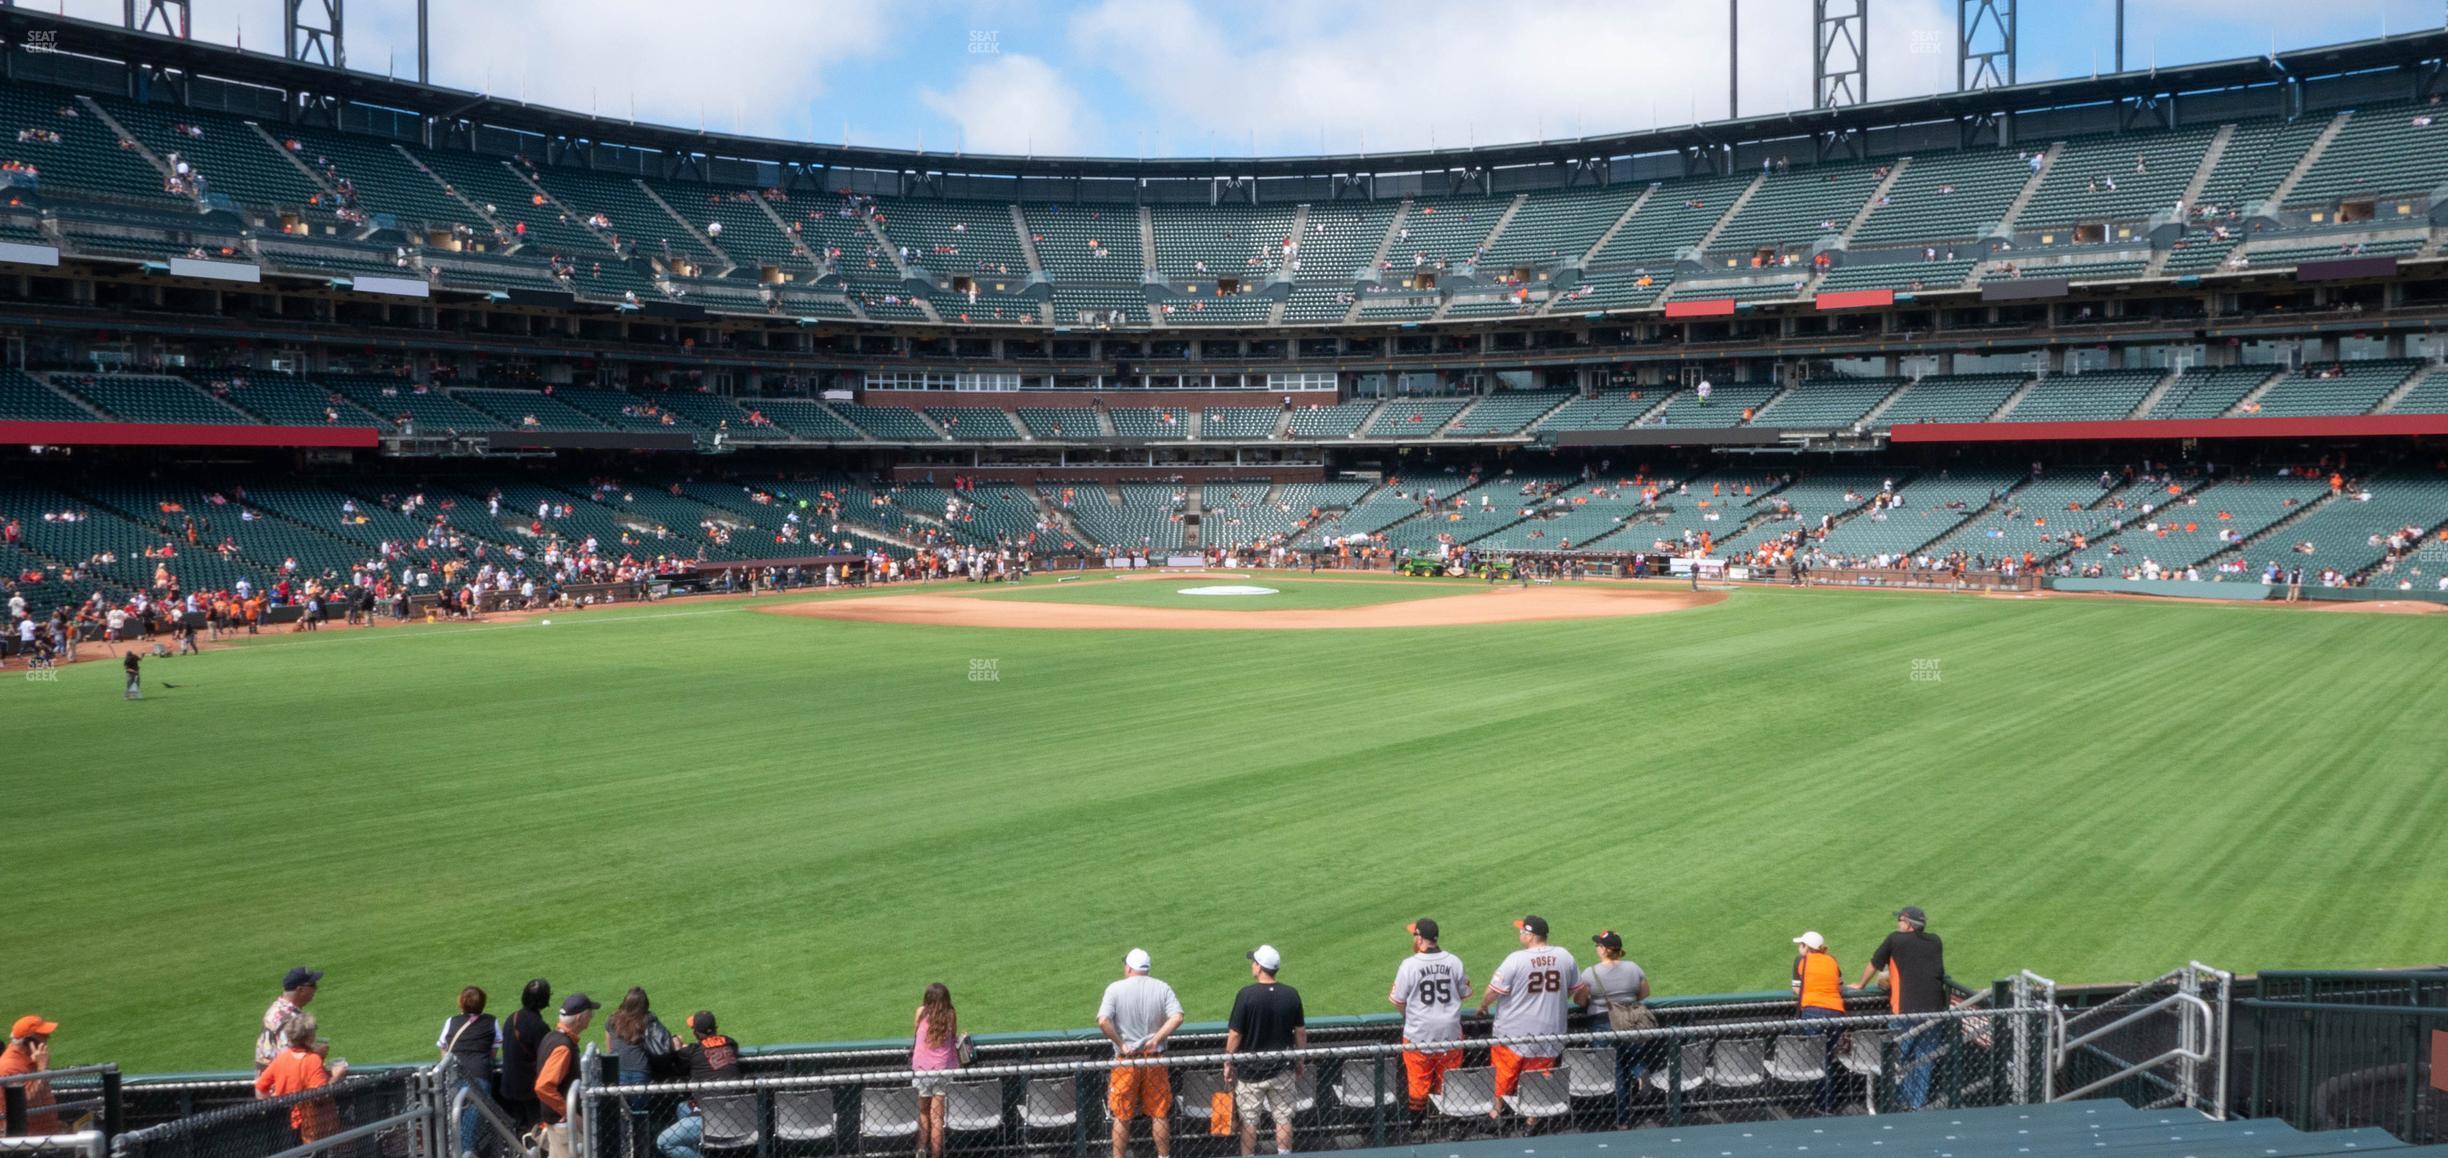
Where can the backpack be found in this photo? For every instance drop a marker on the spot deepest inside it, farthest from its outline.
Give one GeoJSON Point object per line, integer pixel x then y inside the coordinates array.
{"type": "Point", "coordinates": [663, 1059]}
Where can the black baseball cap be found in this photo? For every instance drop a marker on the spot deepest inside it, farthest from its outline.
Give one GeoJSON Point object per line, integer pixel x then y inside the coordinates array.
{"type": "Point", "coordinates": [301, 976]}
{"type": "Point", "coordinates": [577, 1003]}
{"type": "Point", "coordinates": [1609, 939]}
{"type": "Point", "coordinates": [702, 1021]}
{"type": "Point", "coordinates": [1425, 929]}
{"type": "Point", "coordinates": [1536, 926]}
{"type": "Point", "coordinates": [1912, 913]}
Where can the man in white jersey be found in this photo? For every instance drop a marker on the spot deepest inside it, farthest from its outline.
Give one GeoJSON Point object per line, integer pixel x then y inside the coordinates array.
{"type": "Point", "coordinates": [1138, 1014]}
{"type": "Point", "coordinates": [1536, 982]}
{"type": "Point", "coordinates": [1429, 987]}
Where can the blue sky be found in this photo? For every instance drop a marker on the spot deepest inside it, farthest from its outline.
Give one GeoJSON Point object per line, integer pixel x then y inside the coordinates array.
{"type": "Point", "coordinates": [1197, 78]}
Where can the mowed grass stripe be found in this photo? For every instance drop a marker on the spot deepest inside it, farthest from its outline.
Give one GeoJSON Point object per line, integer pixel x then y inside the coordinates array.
{"type": "Point", "coordinates": [800, 822]}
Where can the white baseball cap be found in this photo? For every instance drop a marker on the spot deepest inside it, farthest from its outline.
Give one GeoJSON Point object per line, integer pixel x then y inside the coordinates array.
{"type": "Point", "coordinates": [1267, 958]}
{"type": "Point", "coordinates": [1136, 961]}
{"type": "Point", "coordinates": [1811, 941]}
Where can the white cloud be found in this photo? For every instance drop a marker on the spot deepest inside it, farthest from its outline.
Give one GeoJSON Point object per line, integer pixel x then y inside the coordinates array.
{"type": "Point", "coordinates": [738, 65]}
{"type": "Point", "coordinates": [1453, 72]}
{"type": "Point", "coordinates": [1013, 104]}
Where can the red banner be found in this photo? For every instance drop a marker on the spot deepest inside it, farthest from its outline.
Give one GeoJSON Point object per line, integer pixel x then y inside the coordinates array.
{"type": "Point", "coordinates": [1856, 299]}
{"type": "Point", "coordinates": [2343, 426]}
{"type": "Point", "coordinates": [168, 434]}
{"type": "Point", "coordinates": [1718, 308]}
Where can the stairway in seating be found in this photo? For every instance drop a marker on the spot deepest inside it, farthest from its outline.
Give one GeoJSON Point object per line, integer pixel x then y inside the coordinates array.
{"type": "Point", "coordinates": [2312, 155]}
{"type": "Point", "coordinates": [1147, 241]}
{"type": "Point", "coordinates": [1028, 241]}
{"type": "Point", "coordinates": [2251, 400]}
{"type": "Point", "coordinates": [1732, 210]}
{"type": "Point", "coordinates": [2031, 186]}
{"type": "Point", "coordinates": [136, 146]}
{"type": "Point", "coordinates": [1865, 420]}
{"type": "Point", "coordinates": [900, 267]}
{"type": "Point", "coordinates": [1300, 236]}
{"type": "Point", "coordinates": [688, 226]}
{"type": "Point", "coordinates": [302, 167]}
{"type": "Point", "coordinates": [2397, 393]}
{"type": "Point", "coordinates": [799, 246]}
{"type": "Point", "coordinates": [2158, 391]}
{"type": "Point", "coordinates": [1488, 242]}
{"type": "Point", "coordinates": [1385, 248]}
{"type": "Point", "coordinates": [1870, 204]}
{"type": "Point", "coordinates": [510, 242]}
{"type": "Point", "coordinates": [2015, 399]}
{"type": "Point", "coordinates": [2192, 192]}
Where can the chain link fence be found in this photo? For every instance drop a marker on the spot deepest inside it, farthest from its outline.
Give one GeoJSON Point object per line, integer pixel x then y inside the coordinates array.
{"type": "Point", "coordinates": [385, 1115]}
{"type": "Point", "coordinates": [1338, 1096]}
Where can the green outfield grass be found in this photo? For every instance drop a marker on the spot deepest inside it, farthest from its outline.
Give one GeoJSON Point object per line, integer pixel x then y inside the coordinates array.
{"type": "Point", "coordinates": [1291, 594]}
{"type": "Point", "coordinates": [801, 822]}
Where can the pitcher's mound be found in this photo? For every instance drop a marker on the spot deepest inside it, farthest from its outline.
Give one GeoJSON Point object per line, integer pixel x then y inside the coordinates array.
{"type": "Point", "coordinates": [1503, 605]}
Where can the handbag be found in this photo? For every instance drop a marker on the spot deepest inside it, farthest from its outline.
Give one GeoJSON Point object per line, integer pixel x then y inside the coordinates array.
{"type": "Point", "coordinates": [967, 1049]}
{"type": "Point", "coordinates": [1630, 1017]}
{"type": "Point", "coordinates": [550, 1141]}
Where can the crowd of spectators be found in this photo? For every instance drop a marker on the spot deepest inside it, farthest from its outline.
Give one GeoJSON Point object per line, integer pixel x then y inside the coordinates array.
{"type": "Point", "coordinates": [528, 1064]}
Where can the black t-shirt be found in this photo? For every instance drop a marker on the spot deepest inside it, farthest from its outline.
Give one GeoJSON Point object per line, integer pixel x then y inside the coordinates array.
{"type": "Point", "coordinates": [522, 1035]}
{"type": "Point", "coordinates": [1916, 963]}
{"type": "Point", "coordinates": [711, 1058]}
{"type": "Point", "coordinates": [1265, 1014]}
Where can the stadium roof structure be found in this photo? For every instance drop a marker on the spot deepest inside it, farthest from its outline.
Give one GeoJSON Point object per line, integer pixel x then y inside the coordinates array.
{"type": "Point", "coordinates": [310, 86]}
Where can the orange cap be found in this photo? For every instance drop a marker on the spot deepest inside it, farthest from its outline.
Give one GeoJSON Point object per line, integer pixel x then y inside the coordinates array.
{"type": "Point", "coordinates": [32, 1025]}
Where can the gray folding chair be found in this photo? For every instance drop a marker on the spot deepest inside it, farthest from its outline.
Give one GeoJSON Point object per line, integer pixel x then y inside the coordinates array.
{"type": "Point", "coordinates": [1049, 1104]}
{"type": "Point", "coordinates": [1860, 1058]}
{"type": "Point", "coordinates": [1695, 1056]}
{"type": "Point", "coordinates": [1468, 1093]}
{"type": "Point", "coordinates": [1304, 1091]}
{"type": "Point", "coordinates": [1542, 1094]}
{"type": "Point", "coordinates": [730, 1122]}
{"type": "Point", "coordinates": [1356, 1087]}
{"type": "Point", "coordinates": [1590, 1073]}
{"type": "Point", "coordinates": [803, 1116]}
{"type": "Point", "coordinates": [1798, 1058]}
{"type": "Point", "coordinates": [1738, 1063]}
{"type": "Point", "coordinates": [974, 1107]}
{"type": "Point", "coordinates": [1195, 1091]}
{"type": "Point", "coordinates": [888, 1112]}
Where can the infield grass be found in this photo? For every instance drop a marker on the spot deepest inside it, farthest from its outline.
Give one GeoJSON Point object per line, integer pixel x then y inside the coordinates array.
{"type": "Point", "coordinates": [800, 822]}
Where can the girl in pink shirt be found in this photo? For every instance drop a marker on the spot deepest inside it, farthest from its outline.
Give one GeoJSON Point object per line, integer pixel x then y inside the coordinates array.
{"type": "Point", "coordinates": [934, 1053]}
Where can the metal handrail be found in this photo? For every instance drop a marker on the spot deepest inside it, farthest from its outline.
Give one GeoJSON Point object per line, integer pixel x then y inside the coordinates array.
{"type": "Point", "coordinates": [2171, 999]}
{"type": "Point", "coordinates": [1369, 1050]}
{"type": "Point", "coordinates": [320, 1145]}
{"type": "Point", "coordinates": [2180, 1000]}
{"type": "Point", "coordinates": [468, 1095]}
{"type": "Point", "coordinates": [2419, 1012]}
{"type": "Point", "coordinates": [50, 1075]}
{"type": "Point", "coordinates": [84, 1141]}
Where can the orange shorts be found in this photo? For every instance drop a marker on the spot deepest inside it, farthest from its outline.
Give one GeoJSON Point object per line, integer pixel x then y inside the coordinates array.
{"type": "Point", "coordinates": [1424, 1073]}
{"type": "Point", "coordinates": [1133, 1090]}
{"type": "Point", "coordinates": [1510, 1066]}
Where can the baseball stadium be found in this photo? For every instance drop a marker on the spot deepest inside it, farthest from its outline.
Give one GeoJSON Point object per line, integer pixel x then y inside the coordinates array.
{"type": "Point", "coordinates": [1903, 625]}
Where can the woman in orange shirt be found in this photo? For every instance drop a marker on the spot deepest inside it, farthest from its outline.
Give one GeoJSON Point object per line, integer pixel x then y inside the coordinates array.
{"type": "Point", "coordinates": [300, 1067]}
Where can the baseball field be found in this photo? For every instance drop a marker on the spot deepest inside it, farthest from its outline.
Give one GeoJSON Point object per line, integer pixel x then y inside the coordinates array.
{"type": "Point", "coordinates": [801, 821]}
